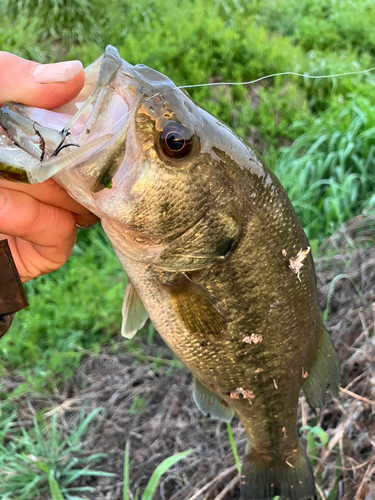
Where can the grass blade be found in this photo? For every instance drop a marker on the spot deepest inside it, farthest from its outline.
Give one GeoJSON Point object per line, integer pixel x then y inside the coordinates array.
{"type": "Point", "coordinates": [54, 488]}
{"type": "Point", "coordinates": [234, 449]}
{"type": "Point", "coordinates": [126, 472]}
{"type": "Point", "coordinates": [83, 427]}
{"type": "Point", "coordinates": [160, 470]}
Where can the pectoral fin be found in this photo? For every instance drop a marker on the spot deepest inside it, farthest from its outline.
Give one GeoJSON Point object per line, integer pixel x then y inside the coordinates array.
{"type": "Point", "coordinates": [210, 403]}
{"type": "Point", "coordinates": [134, 314]}
{"type": "Point", "coordinates": [196, 309]}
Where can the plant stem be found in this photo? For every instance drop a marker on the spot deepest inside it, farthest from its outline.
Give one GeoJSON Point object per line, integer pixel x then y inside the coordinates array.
{"type": "Point", "coordinates": [234, 449]}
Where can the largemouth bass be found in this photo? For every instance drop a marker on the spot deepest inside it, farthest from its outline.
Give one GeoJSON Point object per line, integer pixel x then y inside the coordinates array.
{"type": "Point", "coordinates": [212, 247]}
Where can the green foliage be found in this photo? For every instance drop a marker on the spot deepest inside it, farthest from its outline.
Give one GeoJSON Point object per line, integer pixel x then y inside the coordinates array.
{"type": "Point", "coordinates": [160, 470]}
{"type": "Point", "coordinates": [156, 475]}
{"type": "Point", "coordinates": [323, 24]}
{"type": "Point", "coordinates": [22, 36]}
{"type": "Point", "coordinates": [61, 20]}
{"type": "Point", "coordinates": [137, 405]}
{"type": "Point", "coordinates": [316, 440]}
{"type": "Point", "coordinates": [328, 171]}
{"type": "Point", "coordinates": [322, 93]}
{"type": "Point", "coordinates": [313, 446]}
{"type": "Point", "coordinates": [44, 458]}
{"type": "Point", "coordinates": [71, 311]}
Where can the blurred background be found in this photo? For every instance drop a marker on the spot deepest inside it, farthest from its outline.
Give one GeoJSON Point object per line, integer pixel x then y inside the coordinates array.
{"type": "Point", "coordinates": [317, 135]}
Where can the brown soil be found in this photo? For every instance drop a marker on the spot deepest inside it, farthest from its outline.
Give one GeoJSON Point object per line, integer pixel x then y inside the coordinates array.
{"type": "Point", "coordinates": [169, 421]}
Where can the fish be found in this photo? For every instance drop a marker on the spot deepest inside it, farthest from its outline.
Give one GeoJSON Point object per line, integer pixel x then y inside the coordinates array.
{"type": "Point", "coordinates": [212, 247]}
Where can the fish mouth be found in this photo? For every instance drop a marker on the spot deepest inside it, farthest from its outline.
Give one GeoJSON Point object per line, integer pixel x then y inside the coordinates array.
{"type": "Point", "coordinates": [40, 143]}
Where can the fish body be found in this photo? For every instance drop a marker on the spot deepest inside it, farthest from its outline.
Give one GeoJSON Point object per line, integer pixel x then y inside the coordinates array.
{"type": "Point", "coordinates": [214, 253]}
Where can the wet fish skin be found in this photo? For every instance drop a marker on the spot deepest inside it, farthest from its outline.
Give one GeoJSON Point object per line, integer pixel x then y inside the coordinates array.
{"type": "Point", "coordinates": [208, 241]}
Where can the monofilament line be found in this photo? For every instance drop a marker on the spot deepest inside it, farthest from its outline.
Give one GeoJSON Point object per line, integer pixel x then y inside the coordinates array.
{"type": "Point", "coordinates": [290, 73]}
{"type": "Point", "coordinates": [284, 73]}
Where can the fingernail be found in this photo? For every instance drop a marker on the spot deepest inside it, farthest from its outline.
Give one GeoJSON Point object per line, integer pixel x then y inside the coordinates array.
{"type": "Point", "coordinates": [2, 200]}
{"type": "Point", "coordinates": [60, 72]}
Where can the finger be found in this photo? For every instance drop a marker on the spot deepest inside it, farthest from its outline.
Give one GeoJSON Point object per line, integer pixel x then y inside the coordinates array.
{"type": "Point", "coordinates": [51, 193]}
{"type": "Point", "coordinates": [44, 85]}
{"type": "Point", "coordinates": [23, 216]}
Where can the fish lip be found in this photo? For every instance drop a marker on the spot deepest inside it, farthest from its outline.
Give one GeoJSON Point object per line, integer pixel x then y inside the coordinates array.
{"type": "Point", "coordinates": [107, 80]}
{"type": "Point", "coordinates": [114, 127]}
{"type": "Point", "coordinates": [109, 77]}
{"type": "Point", "coordinates": [99, 116]}
{"type": "Point", "coordinates": [38, 117]}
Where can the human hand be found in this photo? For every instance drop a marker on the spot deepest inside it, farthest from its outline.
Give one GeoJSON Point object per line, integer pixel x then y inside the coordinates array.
{"type": "Point", "coordinates": [39, 221]}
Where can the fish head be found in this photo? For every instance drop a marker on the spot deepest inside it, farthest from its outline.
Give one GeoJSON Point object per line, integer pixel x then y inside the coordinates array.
{"type": "Point", "coordinates": [157, 169]}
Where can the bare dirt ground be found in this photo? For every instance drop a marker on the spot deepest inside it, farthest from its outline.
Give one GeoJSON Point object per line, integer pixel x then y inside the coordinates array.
{"type": "Point", "coordinates": [168, 422]}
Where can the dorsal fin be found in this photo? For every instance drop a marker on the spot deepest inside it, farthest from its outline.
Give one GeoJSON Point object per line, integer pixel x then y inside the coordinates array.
{"type": "Point", "coordinates": [134, 314]}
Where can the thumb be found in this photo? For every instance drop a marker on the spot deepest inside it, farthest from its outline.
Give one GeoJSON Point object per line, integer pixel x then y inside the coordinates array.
{"type": "Point", "coordinates": [44, 85]}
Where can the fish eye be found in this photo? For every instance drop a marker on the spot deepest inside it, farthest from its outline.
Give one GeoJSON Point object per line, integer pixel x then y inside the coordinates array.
{"type": "Point", "coordinates": [176, 140]}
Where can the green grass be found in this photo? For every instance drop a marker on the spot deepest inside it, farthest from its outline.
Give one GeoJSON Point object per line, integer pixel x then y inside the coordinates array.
{"type": "Point", "coordinates": [234, 448]}
{"type": "Point", "coordinates": [64, 21]}
{"type": "Point", "coordinates": [316, 441]}
{"type": "Point", "coordinates": [160, 470]}
{"type": "Point", "coordinates": [72, 311]}
{"type": "Point", "coordinates": [333, 162]}
{"type": "Point", "coordinates": [155, 477]}
{"type": "Point", "coordinates": [44, 458]}
{"type": "Point", "coordinates": [330, 25]}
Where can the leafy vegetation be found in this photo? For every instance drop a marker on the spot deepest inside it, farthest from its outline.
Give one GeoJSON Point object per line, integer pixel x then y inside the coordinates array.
{"type": "Point", "coordinates": [323, 24]}
{"type": "Point", "coordinates": [334, 163]}
{"type": "Point", "coordinates": [71, 312]}
{"type": "Point", "coordinates": [44, 458]}
{"type": "Point", "coordinates": [316, 441]}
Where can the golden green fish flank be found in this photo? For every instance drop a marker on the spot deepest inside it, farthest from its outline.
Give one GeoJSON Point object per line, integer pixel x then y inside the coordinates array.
{"type": "Point", "coordinates": [253, 288]}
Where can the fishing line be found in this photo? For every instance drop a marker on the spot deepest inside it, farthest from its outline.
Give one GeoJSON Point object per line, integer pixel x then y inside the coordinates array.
{"type": "Point", "coordinates": [251, 82]}
{"type": "Point", "coordinates": [291, 73]}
